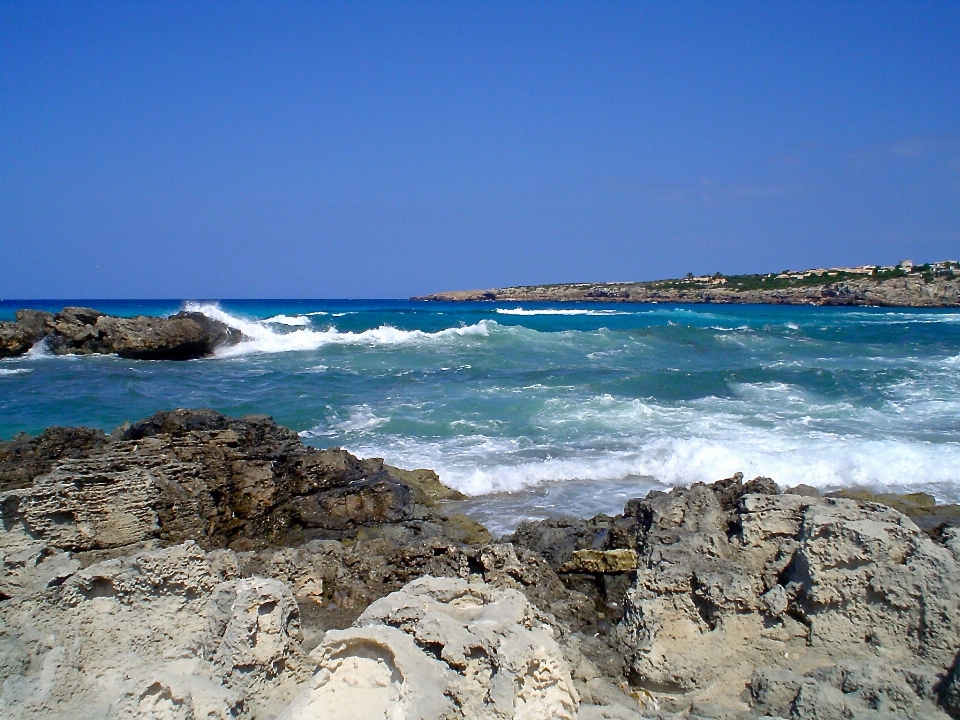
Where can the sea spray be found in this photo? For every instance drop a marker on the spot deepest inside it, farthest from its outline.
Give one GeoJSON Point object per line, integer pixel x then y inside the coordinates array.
{"type": "Point", "coordinates": [545, 409]}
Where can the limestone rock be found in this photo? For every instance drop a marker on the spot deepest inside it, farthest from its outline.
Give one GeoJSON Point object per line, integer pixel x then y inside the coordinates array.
{"type": "Point", "coordinates": [826, 607]}
{"type": "Point", "coordinates": [160, 634]}
{"type": "Point", "coordinates": [442, 648]}
{"type": "Point", "coordinates": [198, 475]}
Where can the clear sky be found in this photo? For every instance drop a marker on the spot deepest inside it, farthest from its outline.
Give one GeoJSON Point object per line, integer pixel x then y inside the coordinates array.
{"type": "Point", "coordinates": [368, 149]}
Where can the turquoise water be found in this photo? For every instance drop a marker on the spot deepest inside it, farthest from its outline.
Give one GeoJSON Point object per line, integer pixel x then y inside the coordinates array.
{"type": "Point", "coordinates": [538, 409]}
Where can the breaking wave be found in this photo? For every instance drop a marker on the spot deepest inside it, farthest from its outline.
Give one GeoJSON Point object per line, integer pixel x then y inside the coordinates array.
{"type": "Point", "coordinates": [260, 338]}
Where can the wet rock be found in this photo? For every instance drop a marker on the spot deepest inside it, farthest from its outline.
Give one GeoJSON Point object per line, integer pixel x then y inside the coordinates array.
{"type": "Point", "coordinates": [14, 340]}
{"type": "Point", "coordinates": [82, 331]}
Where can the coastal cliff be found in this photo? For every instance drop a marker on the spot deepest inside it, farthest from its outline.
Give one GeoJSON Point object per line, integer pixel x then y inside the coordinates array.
{"type": "Point", "coordinates": [885, 288]}
{"type": "Point", "coordinates": [195, 565]}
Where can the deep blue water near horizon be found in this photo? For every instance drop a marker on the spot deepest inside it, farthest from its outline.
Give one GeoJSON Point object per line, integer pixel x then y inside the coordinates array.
{"type": "Point", "coordinates": [547, 409]}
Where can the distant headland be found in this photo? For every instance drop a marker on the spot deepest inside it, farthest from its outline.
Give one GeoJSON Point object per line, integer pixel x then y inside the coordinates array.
{"type": "Point", "coordinates": [903, 285]}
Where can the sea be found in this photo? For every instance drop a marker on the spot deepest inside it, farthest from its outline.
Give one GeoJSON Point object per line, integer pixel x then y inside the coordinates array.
{"type": "Point", "coordinates": [536, 410]}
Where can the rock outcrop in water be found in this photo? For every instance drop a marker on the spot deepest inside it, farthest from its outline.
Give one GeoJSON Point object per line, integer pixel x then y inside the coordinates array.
{"type": "Point", "coordinates": [83, 331]}
{"type": "Point", "coordinates": [194, 565]}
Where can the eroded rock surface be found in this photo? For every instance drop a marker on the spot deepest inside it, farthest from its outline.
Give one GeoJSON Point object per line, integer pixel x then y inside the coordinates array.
{"type": "Point", "coordinates": [819, 607]}
{"type": "Point", "coordinates": [198, 475]}
{"type": "Point", "coordinates": [171, 634]}
{"type": "Point", "coordinates": [442, 648]}
{"type": "Point", "coordinates": [84, 331]}
{"type": "Point", "coordinates": [199, 566]}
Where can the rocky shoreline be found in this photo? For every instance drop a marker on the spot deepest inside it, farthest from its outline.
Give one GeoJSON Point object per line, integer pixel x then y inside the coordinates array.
{"type": "Point", "coordinates": [193, 565]}
{"type": "Point", "coordinates": [900, 291]}
{"type": "Point", "coordinates": [84, 331]}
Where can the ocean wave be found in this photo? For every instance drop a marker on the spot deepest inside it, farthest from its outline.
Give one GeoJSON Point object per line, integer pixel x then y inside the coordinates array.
{"type": "Point", "coordinates": [14, 371]}
{"type": "Point", "coordinates": [772, 429]}
{"type": "Point", "coordinates": [263, 339]}
{"type": "Point", "coordinates": [298, 320]}
{"type": "Point", "coordinates": [824, 462]}
{"type": "Point", "coordinates": [524, 311]}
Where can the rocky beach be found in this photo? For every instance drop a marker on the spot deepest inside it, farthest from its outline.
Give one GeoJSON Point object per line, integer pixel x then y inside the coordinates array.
{"type": "Point", "coordinates": [196, 565]}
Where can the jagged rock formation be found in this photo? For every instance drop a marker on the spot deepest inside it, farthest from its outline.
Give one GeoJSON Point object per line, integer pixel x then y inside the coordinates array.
{"type": "Point", "coordinates": [750, 602]}
{"type": "Point", "coordinates": [14, 339]}
{"type": "Point", "coordinates": [194, 565]}
{"type": "Point", "coordinates": [83, 331]}
{"type": "Point", "coordinates": [909, 291]}
{"type": "Point", "coordinates": [442, 648]}
{"type": "Point", "coordinates": [197, 475]}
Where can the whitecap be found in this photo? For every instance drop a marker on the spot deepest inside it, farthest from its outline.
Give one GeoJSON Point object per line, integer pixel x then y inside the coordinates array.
{"type": "Point", "coordinates": [298, 320]}
{"type": "Point", "coordinates": [14, 371]}
{"type": "Point", "coordinates": [524, 311]}
{"type": "Point", "coordinates": [263, 339]}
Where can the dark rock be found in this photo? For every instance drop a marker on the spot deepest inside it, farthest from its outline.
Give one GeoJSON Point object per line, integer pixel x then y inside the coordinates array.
{"type": "Point", "coordinates": [949, 690]}
{"type": "Point", "coordinates": [34, 321]}
{"type": "Point", "coordinates": [24, 458]}
{"type": "Point", "coordinates": [198, 475]}
{"type": "Point", "coordinates": [801, 489]}
{"type": "Point", "coordinates": [83, 331]}
{"type": "Point", "coordinates": [14, 340]}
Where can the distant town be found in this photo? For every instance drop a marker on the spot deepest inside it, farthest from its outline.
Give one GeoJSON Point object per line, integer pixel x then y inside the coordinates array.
{"type": "Point", "coordinates": [943, 268]}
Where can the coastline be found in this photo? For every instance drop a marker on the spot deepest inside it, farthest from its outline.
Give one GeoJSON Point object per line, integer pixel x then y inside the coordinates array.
{"type": "Point", "coordinates": [238, 573]}
{"type": "Point", "coordinates": [906, 290]}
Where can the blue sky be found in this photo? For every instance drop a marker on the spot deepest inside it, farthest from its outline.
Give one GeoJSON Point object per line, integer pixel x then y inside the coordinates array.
{"type": "Point", "coordinates": [387, 149]}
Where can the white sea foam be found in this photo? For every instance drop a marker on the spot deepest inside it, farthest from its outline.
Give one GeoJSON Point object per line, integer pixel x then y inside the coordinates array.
{"type": "Point", "coordinates": [823, 462]}
{"type": "Point", "coordinates": [14, 371]}
{"type": "Point", "coordinates": [770, 429]}
{"type": "Point", "coordinates": [524, 311]}
{"type": "Point", "coordinates": [298, 320]}
{"type": "Point", "coordinates": [263, 339]}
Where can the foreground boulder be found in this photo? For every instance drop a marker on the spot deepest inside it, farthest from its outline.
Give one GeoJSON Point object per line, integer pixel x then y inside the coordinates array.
{"type": "Point", "coordinates": [442, 648]}
{"type": "Point", "coordinates": [195, 565]}
{"type": "Point", "coordinates": [172, 633]}
{"type": "Point", "coordinates": [84, 331]}
{"type": "Point", "coordinates": [198, 475]}
{"type": "Point", "coordinates": [182, 633]}
{"type": "Point", "coordinates": [750, 602]}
